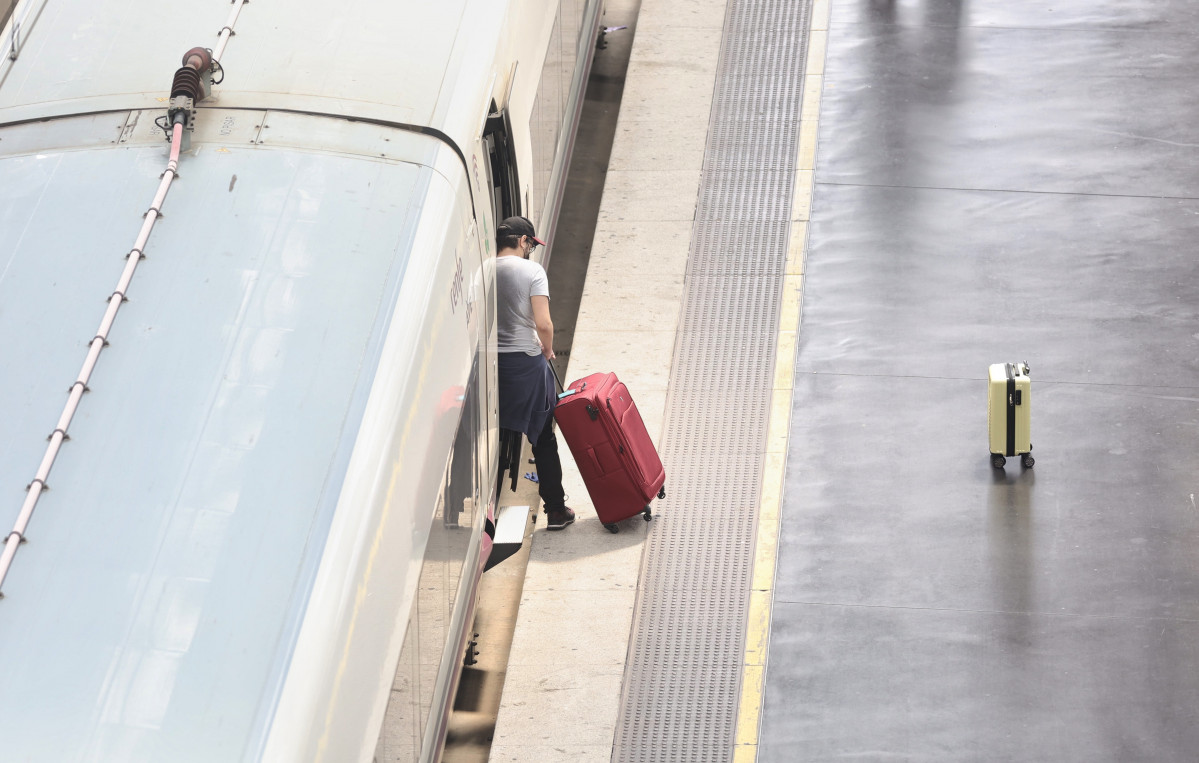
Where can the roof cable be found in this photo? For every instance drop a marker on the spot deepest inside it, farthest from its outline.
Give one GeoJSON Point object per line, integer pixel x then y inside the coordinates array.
{"type": "Point", "coordinates": [191, 84]}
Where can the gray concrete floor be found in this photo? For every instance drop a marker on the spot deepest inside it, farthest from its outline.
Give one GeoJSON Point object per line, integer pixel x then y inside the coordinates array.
{"type": "Point", "coordinates": [477, 704]}
{"type": "Point", "coordinates": [996, 182]}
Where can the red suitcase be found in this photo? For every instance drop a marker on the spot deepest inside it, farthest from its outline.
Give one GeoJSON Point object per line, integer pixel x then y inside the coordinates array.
{"type": "Point", "coordinates": [612, 449]}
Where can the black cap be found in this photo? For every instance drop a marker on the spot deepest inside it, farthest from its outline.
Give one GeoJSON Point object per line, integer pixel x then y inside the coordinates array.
{"type": "Point", "coordinates": [518, 226]}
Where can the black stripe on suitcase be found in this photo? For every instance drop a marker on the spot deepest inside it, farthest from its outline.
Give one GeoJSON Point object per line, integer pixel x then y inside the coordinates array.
{"type": "Point", "coordinates": [1011, 410]}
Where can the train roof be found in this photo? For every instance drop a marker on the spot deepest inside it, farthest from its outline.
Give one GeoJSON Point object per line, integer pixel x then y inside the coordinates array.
{"type": "Point", "coordinates": [153, 611]}
{"type": "Point", "coordinates": [408, 62]}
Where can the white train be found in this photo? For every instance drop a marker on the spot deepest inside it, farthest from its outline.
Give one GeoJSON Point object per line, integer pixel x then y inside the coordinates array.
{"type": "Point", "coordinates": [251, 509]}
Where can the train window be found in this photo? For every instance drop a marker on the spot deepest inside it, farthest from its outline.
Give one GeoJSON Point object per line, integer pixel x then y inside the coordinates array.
{"type": "Point", "coordinates": [462, 472]}
{"type": "Point", "coordinates": [420, 671]}
{"type": "Point", "coordinates": [505, 185]}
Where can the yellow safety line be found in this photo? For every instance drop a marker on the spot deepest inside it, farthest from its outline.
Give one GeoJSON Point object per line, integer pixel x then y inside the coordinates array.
{"type": "Point", "coordinates": [761, 596]}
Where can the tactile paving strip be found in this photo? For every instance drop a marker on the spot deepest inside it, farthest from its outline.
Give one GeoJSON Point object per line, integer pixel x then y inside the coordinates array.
{"type": "Point", "coordinates": [682, 679]}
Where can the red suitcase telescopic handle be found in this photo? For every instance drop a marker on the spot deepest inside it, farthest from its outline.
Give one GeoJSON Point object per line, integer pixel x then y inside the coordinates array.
{"type": "Point", "coordinates": [562, 386]}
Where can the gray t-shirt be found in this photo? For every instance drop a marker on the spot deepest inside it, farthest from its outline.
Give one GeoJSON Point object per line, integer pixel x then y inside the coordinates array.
{"type": "Point", "coordinates": [517, 280]}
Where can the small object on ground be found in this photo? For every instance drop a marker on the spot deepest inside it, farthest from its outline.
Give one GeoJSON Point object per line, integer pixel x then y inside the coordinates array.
{"type": "Point", "coordinates": [1009, 397]}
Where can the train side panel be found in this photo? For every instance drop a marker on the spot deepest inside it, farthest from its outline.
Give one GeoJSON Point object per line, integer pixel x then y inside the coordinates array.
{"type": "Point", "coordinates": [346, 656]}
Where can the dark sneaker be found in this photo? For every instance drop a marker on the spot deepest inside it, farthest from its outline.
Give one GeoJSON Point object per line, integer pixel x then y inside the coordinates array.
{"type": "Point", "coordinates": [556, 519]}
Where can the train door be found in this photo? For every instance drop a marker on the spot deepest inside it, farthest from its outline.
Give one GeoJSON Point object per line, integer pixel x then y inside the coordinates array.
{"type": "Point", "coordinates": [503, 200]}
{"type": "Point", "coordinates": [504, 184]}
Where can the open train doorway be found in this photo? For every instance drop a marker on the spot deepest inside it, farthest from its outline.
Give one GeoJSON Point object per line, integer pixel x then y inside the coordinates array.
{"type": "Point", "coordinates": [501, 167]}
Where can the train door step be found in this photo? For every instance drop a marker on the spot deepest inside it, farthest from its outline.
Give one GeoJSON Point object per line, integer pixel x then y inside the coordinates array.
{"type": "Point", "coordinates": [509, 534]}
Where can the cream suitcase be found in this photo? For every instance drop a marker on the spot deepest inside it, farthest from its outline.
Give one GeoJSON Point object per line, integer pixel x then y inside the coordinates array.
{"type": "Point", "coordinates": [1009, 401]}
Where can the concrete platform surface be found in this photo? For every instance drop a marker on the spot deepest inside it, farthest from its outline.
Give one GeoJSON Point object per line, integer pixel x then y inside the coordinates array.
{"type": "Point", "coordinates": [996, 182]}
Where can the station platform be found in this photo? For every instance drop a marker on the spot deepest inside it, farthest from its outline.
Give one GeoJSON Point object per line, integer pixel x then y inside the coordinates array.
{"type": "Point", "coordinates": [837, 571]}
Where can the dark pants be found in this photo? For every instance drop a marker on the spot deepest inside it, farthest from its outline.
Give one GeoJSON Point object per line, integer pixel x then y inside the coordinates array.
{"type": "Point", "coordinates": [526, 404]}
{"type": "Point", "coordinates": [549, 468]}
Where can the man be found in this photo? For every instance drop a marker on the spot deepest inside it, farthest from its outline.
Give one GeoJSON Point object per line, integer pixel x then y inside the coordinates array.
{"type": "Point", "coordinates": [526, 347]}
